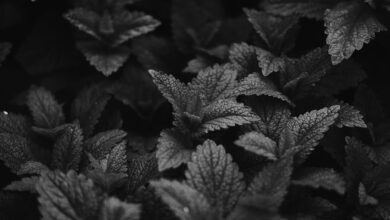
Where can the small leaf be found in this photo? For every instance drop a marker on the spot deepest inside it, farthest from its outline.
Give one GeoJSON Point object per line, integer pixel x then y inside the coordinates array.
{"type": "Point", "coordinates": [244, 58]}
{"type": "Point", "coordinates": [349, 116]}
{"type": "Point", "coordinates": [67, 197]}
{"type": "Point", "coordinates": [213, 173]}
{"type": "Point", "coordinates": [67, 149]}
{"type": "Point", "coordinates": [141, 170]}
{"type": "Point", "coordinates": [32, 168]}
{"type": "Point", "coordinates": [106, 60]}
{"type": "Point", "coordinates": [349, 25]}
{"type": "Point", "coordinates": [215, 83]}
{"type": "Point", "coordinates": [88, 107]}
{"type": "Point", "coordinates": [184, 201]}
{"type": "Point", "coordinates": [224, 114]}
{"type": "Point", "coordinates": [15, 150]}
{"type": "Point", "coordinates": [173, 149]}
{"type": "Point", "coordinates": [23, 185]}
{"type": "Point", "coordinates": [84, 19]}
{"type": "Point", "coordinates": [46, 111]}
{"type": "Point", "coordinates": [321, 178]}
{"type": "Point", "coordinates": [114, 209]}
{"type": "Point", "coordinates": [309, 128]}
{"type": "Point", "coordinates": [102, 143]}
{"type": "Point", "coordinates": [257, 143]}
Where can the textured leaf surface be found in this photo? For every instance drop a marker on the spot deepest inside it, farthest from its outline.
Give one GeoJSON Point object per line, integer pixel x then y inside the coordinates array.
{"type": "Point", "coordinates": [185, 202]}
{"type": "Point", "coordinates": [14, 150]}
{"type": "Point", "coordinates": [46, 111]}
{"type": "Point", "coordinates": [215, 82]}
{"type": "Point", "coordinates": [14, 124]}
{"type": "Point", "coordinates": [349, 25]}
{"type": "Point", "coordinates": [102, 143]}
{"type": "Point", "coordinates": [114, 209]}
{"type": "Point", "coordinates": [88, 107]}
{"type": "Point", "coordinates": [67, 149]}
{"type": "Point", "coordinates": [321, 178]}
{"type": "Point", "coordinates": [258, 143]}
{"type": "Point", "coordinates": [141, 170]}
{"type": "Point", "coordinates": [308, 129]}
{"type": "Point", "coordinates": [106, 60]}
{"type": "Point", "coordinates": [308, 8]}
{"type": "Point", "coordinates": [254, 84]}
{"type": "Point", "coordinates": [213, 173]}
{"type": "Point", "coordinates": [349, 116]}
{"type": "Point", "coordinates": [268, 188]}
{"type": "Point", "coordinates": [171, 88]}
{"type": "Point", "coordinates": [84, 19]}
{"type": "Point", "coordinates": [224, 114]}
{"type": "Point", "coordinates": [173, 149]}
{"type": "Point", "coordinates": [67, 196]}
{"type": "Point", "coordinates": [244, 58]}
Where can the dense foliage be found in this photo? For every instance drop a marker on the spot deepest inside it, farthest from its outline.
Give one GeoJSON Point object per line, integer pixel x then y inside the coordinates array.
{"type": "Point", "coordinates": [194, 109]}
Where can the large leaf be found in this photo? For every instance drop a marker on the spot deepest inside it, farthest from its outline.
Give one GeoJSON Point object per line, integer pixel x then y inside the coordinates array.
{"type": "Point", "coordinates": [67, 149]}
{"type": "Point", "coordinates": [308, 129]}
{"type": "Point", "coordinates": [46, 111]}
{"type": "Point", "coordinates": [213, 173]}
{"type": "Point", "coordinates": [173, 149]}
{"type": "Point", "coordinates": [224, 114]}
{"type": "Point", "coordinates": [67, 197]}
{"type": "Point", "coordinates": [349, 25]}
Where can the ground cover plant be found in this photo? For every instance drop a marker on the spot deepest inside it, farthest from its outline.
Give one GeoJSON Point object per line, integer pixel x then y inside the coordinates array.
{"type": "Point", "coordinates": [194, 109]}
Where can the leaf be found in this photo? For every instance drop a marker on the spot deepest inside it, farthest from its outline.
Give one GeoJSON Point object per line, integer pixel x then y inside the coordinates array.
{"type": "Point", "coordinates": [106, 60]}
{"type": "Point", "coordinates": [308, 129]}
{"type": "Point", "coordinates": [67, 196]}
{"type": "Point", "coordinates": [32, 168]}
{"type": "Point", "coordinates": [272, 29]}
{"type": "Point", "coordinates": [67, 149]}
{"type": "Point", "coordinates": [102, 143]}
{"type": "Point", "coordinates": [172, 89]}
{"type": "Point", "coordinates": [224, 114]}
{"type": "Point", "coordinates": [254, 84]}
{"type": "Point", "coordinates": [268, 62]}
{"type": "Point", "coordinates": [349, 116]}
{"type": "Point", "coordinates": [244, 58]}
{"type": "Point", "coordinates": [349, 25]}
{"type": "Point", "coordinates": [14, 124]}
{"type": "Point", "coordinates": [46, 111]}
{"type": "Point", "coordinates": [213, 173]}
{"type": "Point", "coordinates": [268, 188]}
{"type": "Point", "coordinates": [84, 19]}
{"type": "Point", "coordinates": [23, 185]}
{"type": "Point", "coordinates": [184, 201]}
{"type": "Point", "coordinates": [273, 114]}
{"type": "Point", "coordinates": [173, 149]}
{"type": "Point", "coordinates": [15, 150]}
{"type": "Point", "coordinates": [258, 143]}
{"type": "Point", "coordinates": [308, 8]}
{"type": "Point", "coordinates": [88, 107]}
{"type": "Point", "coordinates": [5, 49]}
{"type": "Point", "coordinates": [215, 83]}
{"type": "Point", "coordinates": [141, 170]}
{"type": "Point", "coordinates": [321, 178]}
{"type": "Point", "coordinates": [114, 209]}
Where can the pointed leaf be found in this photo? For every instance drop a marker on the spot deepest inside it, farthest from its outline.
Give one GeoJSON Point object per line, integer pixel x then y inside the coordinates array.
{"type": "Point", "coordinates": [46, 111]}
{"type": "Point", "coordinates": [101, 144]}
{"type": "Point", "coordinates": [15, 150]}
{"type": "Point", "coordinates": [257, 143]}
{"type": "Point", "coordinates": [213, 173]}
{"type": "Point", "coordinates": [349, 25]}
{"type": "Point", "coordinates": [141, 170]}
{"type": "Point", "coordinates": [84, 19]}
{"type": "Point", "coordinates": [26, 184]}
{"type": "Point", "coordinates": [173, 149]}
{"type": "Point", "coordinates": [225, 113]}
{"type": "Point", "coordinates": [349, 116]}
{"type": "Point", "coordinates": [67, 149]}
{"type": "Point", "coordinates": [321, 178]}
